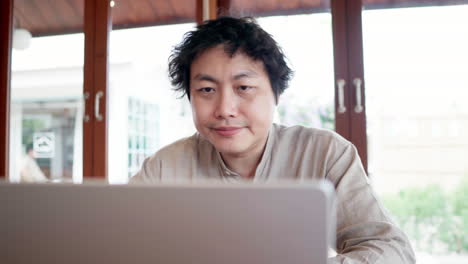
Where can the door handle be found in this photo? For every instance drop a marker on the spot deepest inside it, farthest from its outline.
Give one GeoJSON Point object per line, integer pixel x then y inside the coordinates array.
{"type": "Point", "coordinates": [341, 106]}
{"type": "Point", "coordinates": [357, 83]}
{"type": "Point", "coordinates": [97, 101]}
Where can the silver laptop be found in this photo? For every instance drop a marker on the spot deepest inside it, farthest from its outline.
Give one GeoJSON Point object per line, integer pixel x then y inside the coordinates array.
{"type": "Point", "coordinates": [196, 224]}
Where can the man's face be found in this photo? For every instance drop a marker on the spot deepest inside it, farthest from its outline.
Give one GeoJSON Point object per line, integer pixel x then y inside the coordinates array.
{"type": "Point", "coordinates": [32, 153]}
{"type": "Point", "coordinates": [232, 101]}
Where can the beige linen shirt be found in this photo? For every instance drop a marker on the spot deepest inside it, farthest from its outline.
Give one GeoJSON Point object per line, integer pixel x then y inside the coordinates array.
{"type": "Point", "coordinates": [30, 170]}
{"type": "Point", "coordinates": [365, 232]}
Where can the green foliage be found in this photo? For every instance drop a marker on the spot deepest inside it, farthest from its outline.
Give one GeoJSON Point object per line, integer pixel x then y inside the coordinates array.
{"type": "Point", "coordinates": [455, 233]}
{"type": "Point", "coordinates": [29, 127]}
{"type": "Point", "coordinates": [430, 217]}
{"type": "Point", "coordinates": [460, 199]}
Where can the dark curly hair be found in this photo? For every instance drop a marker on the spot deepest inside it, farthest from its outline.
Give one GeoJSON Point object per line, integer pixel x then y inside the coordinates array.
{"type": "Point", "coordinates": [236, 34]}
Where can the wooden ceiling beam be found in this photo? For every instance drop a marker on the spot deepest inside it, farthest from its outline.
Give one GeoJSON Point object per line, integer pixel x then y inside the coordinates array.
{"type": "Point", "coordinates": [137, 13]}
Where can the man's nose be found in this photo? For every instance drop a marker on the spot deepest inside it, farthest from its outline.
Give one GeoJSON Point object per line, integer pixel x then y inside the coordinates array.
{"type": "Point", "coordinates": [227, 105]}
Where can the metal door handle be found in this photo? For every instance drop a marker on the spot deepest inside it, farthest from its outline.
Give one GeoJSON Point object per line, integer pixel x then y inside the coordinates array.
{"type": "Point", "coordinates": [341, 85]}
{"type": "Point", "coordinates": [357, 83]}
{"type": "Point", "coordinates": [97, 100]}
{"type": "Point", "coordinates": [85, 115]}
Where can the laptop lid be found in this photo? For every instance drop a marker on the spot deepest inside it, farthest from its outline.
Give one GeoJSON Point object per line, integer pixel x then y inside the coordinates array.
{"type": "Point", "coordinates": [167, 223]}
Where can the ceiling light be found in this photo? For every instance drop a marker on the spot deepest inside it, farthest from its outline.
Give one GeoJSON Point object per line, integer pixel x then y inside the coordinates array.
{"type": "Point", "coordinates": [21, 39]}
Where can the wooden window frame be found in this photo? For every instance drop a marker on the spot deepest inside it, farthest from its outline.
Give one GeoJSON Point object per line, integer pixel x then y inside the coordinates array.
{"type": "Point", "coordinates": [6, 37]}
{"type": "Point", "coordinates": [97, 27]}
{"type": "Point", "coordinates": [358, 121]}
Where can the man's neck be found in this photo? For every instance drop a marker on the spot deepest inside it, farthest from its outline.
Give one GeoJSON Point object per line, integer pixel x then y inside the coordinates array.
{"type": "Point", "coordinates": [245, 164]}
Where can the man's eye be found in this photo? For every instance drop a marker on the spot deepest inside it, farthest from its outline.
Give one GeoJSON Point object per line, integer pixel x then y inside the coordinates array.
{"type": "Point", "coordinates": [206, 90]}
{"type": "Point", "coordinates": [245, 88]}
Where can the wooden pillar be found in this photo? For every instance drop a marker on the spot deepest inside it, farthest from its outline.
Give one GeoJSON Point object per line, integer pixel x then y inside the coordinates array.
{"type": "Point", "coordinates": [98, 24]}
{"type": "Point", "coordinates": [6, 38]}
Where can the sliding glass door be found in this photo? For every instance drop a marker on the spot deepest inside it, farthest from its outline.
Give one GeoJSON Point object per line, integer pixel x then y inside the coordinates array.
{"type": "Point", "coordinates": [46, 111]}
{"type": "Point", "coordinates": [145, 114]}
{"type": "Point", "coordinates": [416, 64]}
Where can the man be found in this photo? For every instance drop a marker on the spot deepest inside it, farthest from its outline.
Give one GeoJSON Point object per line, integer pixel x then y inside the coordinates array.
{"type": "Point", "coordinates": [233, 73]}
{"type": "Point", "coordinates": [30, 171]}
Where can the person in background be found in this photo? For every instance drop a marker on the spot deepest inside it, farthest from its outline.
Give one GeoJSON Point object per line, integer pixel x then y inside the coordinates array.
{"type": "Point", "coordinates": [30, 171]}
{"type": "Point", "coordinates": [233, 73]}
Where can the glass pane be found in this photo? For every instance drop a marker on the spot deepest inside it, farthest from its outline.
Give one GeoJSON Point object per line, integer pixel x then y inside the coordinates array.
{"type": "Point", "coordinates": [309, 100]}
{"type": "Point", "coordinates": [416, 63]}
{"type": "Point", "coordinates": [46, 92]}
{"type": "Point", "coordinates": [145, 113]}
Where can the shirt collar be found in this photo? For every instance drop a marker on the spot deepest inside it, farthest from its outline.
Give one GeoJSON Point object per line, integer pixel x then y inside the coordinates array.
{"type": "Point", "coordinates": [232, 176]}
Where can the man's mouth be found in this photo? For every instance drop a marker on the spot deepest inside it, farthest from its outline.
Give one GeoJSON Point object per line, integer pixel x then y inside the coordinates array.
{"type": "Point", "coordinates": [227, 131]}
